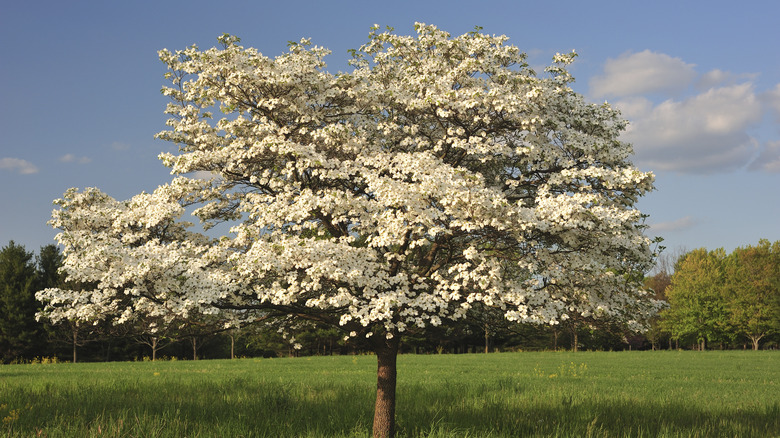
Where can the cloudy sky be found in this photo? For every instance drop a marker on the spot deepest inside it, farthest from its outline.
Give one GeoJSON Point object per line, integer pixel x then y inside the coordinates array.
{"type": "Point", "coordinates": [698, 80]}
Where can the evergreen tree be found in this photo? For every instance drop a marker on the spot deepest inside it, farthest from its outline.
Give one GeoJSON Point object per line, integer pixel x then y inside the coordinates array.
{"type": "Point", "coordinates": [49, 261]}
{"type": "Point", "coordinates": [21, 336]}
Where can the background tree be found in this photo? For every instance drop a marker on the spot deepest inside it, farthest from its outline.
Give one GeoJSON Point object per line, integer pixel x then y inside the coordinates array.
{"type": "Point", "coordinates": [20, 335]}
{"type": "Point", "coordinates": [658, 283]}
{"type": "Point", "coordinates": [656, 333]}
{"type": "Point", "coordinates": [698, 308]}
{"type": "Point", "coordinates": [77, 334]}
{"type": "Point", "coordinates": [154, 334]}
{"type": "Point", "coordinates": [439, 173]}
{"type": "Point", "coordinates": [752, 284]}
{"type": "Point", "coordinates": [49, 261]}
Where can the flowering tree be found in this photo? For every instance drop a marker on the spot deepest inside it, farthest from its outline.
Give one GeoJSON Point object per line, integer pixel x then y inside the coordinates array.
{"type": "Point", "coordinates": [439, 173]}
{"type": "Point", "coordinates": [129, 261]}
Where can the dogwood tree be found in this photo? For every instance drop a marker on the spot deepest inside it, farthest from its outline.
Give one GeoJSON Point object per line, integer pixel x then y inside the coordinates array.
{"type": "Point", "coordinates": [440, 172]}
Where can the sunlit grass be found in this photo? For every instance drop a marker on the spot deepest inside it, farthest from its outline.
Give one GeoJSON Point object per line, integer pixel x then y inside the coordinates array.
{"type": "Point", "coordinates": [648, 394]}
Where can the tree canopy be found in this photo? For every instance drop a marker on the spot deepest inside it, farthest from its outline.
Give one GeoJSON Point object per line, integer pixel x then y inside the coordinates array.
{"type": "Point", "coordinates": [19, 280]}
{"type": "Point", "coordinates": [716, 296]}
{"type": "Point", "coordinates": [695, 297]}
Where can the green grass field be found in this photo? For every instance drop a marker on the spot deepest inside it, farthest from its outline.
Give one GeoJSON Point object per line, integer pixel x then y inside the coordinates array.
{"type": "Point", "coordinates": [599, 394]}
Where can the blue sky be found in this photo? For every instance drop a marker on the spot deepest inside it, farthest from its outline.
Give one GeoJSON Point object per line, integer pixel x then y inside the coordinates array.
{"type": "Point", "coordinates": [699, 81]}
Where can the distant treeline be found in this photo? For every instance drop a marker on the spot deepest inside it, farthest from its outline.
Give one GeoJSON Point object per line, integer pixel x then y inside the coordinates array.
{"type": "Point", "coordinates": [715, 300]}
{"type": "Point", "coordinates": [720, 300]}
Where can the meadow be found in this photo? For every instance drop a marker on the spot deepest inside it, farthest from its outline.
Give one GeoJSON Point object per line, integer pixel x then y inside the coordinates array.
{"type": "Point", "coordinates": [540, 394]}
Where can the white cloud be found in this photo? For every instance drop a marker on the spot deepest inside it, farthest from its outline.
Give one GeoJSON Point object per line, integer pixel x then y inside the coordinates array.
{"type": "Point", "coordinates": [773, 100]}
{"type": "Point", "coordinates": [675, 225]}
{"type": "Point", "coordinates": [119, 146]}
{"type": "Point", "coordinates": [769, 158]}
{"type": "Point", "coordinates": [644, 72]}
{"type": "Point", "coordinates": [703, 133]}
{"type": "Point", "coordinates": [15, 164]}
{"type": "Point", "coordinates": [713, 78]}
{"type": "Point", "coordinates": [706, 123]}
{"type": "Point", "coordinates": [717, 77]}
{"type": "Point", "coordinates": [634, 107]}
{"type": "Point", "coordinates": [70, 158]}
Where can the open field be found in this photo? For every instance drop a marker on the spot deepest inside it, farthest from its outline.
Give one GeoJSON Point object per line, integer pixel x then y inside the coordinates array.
{"type": "Point", "coordinates": [600, 394]}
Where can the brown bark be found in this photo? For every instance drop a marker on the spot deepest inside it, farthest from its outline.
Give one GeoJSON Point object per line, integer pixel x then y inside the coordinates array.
{"type": "Point", "coordinates": [384, 410]}
{"type": "Point", "coordinates": [487, 338]}
{"type": "Point", "coordinates": [194, 342]}
{"type": "Point", "coordinates": [75, 342]}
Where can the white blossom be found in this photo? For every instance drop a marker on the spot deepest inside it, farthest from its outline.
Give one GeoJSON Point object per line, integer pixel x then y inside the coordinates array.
{"type": "Point", "coordinates": [439, 173]}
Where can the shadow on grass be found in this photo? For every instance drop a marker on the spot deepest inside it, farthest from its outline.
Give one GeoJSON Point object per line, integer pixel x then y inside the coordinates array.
{"type": "Point", "coordinates": [251, 408]}
{"type": "Point", "coordinates": [505, 414]}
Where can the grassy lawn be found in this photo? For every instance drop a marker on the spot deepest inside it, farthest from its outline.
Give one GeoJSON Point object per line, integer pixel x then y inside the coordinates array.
{"type": "Point", "coordinates": [600, 394]}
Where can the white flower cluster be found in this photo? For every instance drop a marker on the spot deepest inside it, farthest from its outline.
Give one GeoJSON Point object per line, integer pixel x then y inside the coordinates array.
{"type": "Point", "coordinates": [441, 172]}
{"type": "Point", "coordinates": [131, 259]}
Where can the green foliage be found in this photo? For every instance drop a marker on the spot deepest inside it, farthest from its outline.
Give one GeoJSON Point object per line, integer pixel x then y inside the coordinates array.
{"type": "Point", "coordinates": [20, 334]}
{"type": "Point", "coordinates": [715, 297]}
{"type": "Point", "coordinates": [752, 289]}
{"type": "Point", "coordinates": [658, 394]}
{"type": "Point", "coordinates": [697, 305]}
{"type": "Point", "coordinates": [49, 261]}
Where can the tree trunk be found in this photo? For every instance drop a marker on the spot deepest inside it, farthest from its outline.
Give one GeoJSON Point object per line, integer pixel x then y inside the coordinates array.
{"type": "Point", "coordinates": [154, 348]}
{"type": "Point", "coordinates": [487, 338]}
{"type": "Point", "coordinates": [232, 346]}
{"type": "Point", "coordinates": [194, 342]}
{"type": "Point", "coordinates": [108, 349]}
{"type": "Point", "coordinates": [575, 342]}
{"type": "Point", "coordinates": [755, 340]}
{"type": "Point", "coordinates": [384, 410]}
{"type": "Point", "coordinates": [75, 342]}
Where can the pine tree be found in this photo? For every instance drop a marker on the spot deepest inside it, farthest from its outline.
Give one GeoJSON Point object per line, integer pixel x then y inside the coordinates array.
{"type": "Point", "coordinates": [21, 336]}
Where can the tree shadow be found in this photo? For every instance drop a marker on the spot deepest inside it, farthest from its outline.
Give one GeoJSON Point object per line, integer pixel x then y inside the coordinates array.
{"type": "Point", "coordinates": [246, 407]}
{"type": "Point", "coordinates": [578, 417]}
